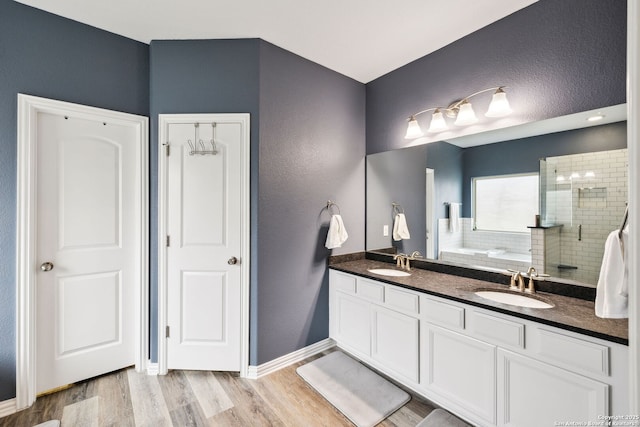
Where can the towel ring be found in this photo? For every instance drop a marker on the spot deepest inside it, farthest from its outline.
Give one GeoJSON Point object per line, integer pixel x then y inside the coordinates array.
{"type": "Point", "coordinates": [330, 203]}
{"type": "Point", "coordinates": [397, 208]}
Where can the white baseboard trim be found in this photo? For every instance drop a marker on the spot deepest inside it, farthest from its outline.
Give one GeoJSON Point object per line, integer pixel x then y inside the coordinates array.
{"type": "Point", "coordinates": [8, 407]}
{"type": "Point", "coordinates": [256, 372]}
{"type": "Point", "coordinates": [153, 368]}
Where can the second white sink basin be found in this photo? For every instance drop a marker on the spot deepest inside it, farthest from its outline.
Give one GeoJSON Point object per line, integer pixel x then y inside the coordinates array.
{"type": "Point", "coordinates": [513, 299]}
{"type": "Point", "coordinates": [389, 272]}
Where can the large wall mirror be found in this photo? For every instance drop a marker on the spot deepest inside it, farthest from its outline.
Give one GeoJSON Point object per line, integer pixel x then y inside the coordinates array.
{"type": "Point", "coordinates": [543, 194]}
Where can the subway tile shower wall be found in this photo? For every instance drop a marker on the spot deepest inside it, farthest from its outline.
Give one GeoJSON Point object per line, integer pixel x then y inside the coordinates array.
{"type": "Point", "coordinates": [590, 204]}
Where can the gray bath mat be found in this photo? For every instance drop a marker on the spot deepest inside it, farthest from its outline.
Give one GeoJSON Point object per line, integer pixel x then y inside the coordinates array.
{"type": "Point", "coordinates": [52, 423]}
{"type": "Point", "coordinates": [441, 418]}
{"type": "Point", "coordinates": [360, 394]}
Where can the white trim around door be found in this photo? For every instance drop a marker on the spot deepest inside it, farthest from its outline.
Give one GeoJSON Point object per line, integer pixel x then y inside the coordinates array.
{"type": "Point", "coordinates": [28, 109]}
{"type": "Point", "coordinates": [164, 121]}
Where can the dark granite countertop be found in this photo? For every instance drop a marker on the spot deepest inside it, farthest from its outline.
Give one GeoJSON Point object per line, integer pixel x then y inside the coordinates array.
{"type": "Point", "coordinates": [573, 314]}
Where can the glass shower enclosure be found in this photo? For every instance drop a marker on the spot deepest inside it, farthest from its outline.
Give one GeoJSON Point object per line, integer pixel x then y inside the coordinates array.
{"type": "Point", "coordinates": [582, 199]}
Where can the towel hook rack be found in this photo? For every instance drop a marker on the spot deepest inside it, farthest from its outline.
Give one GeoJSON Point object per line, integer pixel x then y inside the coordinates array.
{"type": "Point", "coordinates": [624, 221]}
{"type": "Point", "coordinates": [198, 147]}
{"type": "Point", "coordinates": [330, 203]}
{"type": "Point", "coordinates": [397, 208]}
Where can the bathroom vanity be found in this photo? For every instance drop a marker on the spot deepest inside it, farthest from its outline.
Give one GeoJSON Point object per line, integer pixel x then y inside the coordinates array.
{"type": "Point", "coordinates": [488, 362]}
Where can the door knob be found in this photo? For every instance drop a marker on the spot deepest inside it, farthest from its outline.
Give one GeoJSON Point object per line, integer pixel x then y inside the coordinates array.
{"type": "Point", "coordinates": [46, 266]}
{"type": "Point", "coordinates": [232, 261]}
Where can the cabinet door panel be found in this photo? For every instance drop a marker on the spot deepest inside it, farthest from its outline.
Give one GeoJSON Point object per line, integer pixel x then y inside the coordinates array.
{"type": "Point", "coordinates": [352, 323]}
{"type": "Point", "coordinates": [461, 369]}
{"type": "Point", "coordinates": [395, 342]}
{"type": "Point", "coordinates": [532, 393]}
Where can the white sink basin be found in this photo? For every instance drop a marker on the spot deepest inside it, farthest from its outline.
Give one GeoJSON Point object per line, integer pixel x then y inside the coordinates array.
{"type": "Point", "coordinates": [389, 272]}
{"type": "Point", "coordinates": [513, 299]}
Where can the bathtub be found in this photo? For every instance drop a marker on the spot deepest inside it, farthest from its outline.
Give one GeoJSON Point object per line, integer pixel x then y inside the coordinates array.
{"type": "Point", "coordinates": [493, 258]}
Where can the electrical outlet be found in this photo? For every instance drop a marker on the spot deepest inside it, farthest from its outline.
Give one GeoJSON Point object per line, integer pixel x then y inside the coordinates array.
{"type": "Point", "coordinates": [385, 230]}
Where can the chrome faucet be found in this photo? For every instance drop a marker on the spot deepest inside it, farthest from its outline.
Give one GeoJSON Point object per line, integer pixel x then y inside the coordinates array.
{"type": "Point", "coordinates": [517, 282]}
{"type": "Point", "coordinates": [531, 272]}
{"type": "Point", "coordinates": [414, 255]}
{"type": "Point", "coordinates": [401, 260]}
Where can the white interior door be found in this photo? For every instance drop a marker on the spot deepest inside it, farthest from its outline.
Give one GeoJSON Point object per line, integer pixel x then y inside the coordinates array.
{"type": "Point", "coordinates": [204, 244]}
{"type": "Point", "coordinates": [431, 228]}
{"type": "Point", "coordinates": [87, 250]}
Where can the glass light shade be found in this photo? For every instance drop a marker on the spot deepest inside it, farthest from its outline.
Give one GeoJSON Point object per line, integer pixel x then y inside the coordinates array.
{"type": "Point", "coordinates": [466, 116]}
{"type": "Point", "coordinates": [438, 123]}
{"type": "Point", "coordinates": [413, 129]}
{"type": "Point", "coordinates": [499, 106]}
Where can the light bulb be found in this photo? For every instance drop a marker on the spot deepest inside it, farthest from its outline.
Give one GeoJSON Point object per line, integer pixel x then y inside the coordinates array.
{"type": "Point", "coordinates": [438, 124]}
{"type": "Point", "coordinates": [413, 129]}
{"type": "Point", "coordinates": [499, 106]}
{"type": "Point", "coordinates": [466, 116]}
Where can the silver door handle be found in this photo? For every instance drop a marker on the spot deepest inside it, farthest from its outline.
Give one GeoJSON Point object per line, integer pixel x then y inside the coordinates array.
{"type": "Point", "coordinates": [232, 261]}
{"type": "Point", "coordinates": [46, 266]}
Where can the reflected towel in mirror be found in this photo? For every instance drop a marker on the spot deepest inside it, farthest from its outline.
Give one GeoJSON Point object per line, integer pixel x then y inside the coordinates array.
{"type": "Point", "coordinates": [337, 234]}
{"type": "Point", "coordinates": [400, 229]}
{"type": "Point", "coordinates": [454, 217]}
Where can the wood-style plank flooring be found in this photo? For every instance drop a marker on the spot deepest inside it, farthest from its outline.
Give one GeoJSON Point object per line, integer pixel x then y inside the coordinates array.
{"type": "Point", "coordinates": [197, 398]}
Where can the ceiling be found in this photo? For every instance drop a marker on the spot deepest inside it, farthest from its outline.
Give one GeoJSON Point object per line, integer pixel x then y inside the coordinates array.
{"type": "Point", "coordinates": [362, 39]}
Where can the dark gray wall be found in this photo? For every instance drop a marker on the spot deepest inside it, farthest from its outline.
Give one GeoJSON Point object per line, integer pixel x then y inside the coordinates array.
{"type": "Point", "coordinates": [557, 57]}
{"type": "Point", "coordinates": [201, 76]}
{"type": "Point", "coordinates": [312, 148]}
{"type": "Point", "coordinates": [399, 176]}
{"type": "Point", "coordinates": [48, 56]}
{"type": "Point", "coordinates": [523, 155]}
{"type": "Point", "coordinates": [307, 146]}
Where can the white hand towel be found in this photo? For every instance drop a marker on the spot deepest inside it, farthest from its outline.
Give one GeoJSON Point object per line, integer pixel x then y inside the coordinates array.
{"type": "Point", "coordinates": [454, 217]}
{"type": "Point", "coordinates": [400, 229]}
{"type": "Point", "coordinates": [613, 284]}
{"type": "Point", "coordinates": [337, 234]}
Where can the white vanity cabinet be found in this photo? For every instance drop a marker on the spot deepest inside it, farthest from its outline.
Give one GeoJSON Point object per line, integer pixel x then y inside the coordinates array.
{"type": "Point", "coordinates": [489, 368]}
{"type": "Point", "coordinates": [533, 394]}
{"type": "Point", "coordinates": [395, 341]}
{"type": "Point", "coordinates": [363, 324]}
{"type": "Point", "coordinates": [460, 370]}
{"type": "Point", "coordinates": [350, 319]}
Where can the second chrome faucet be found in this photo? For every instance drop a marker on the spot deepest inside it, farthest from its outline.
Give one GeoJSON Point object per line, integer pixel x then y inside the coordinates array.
{"type": "Point", "coordinates": [403, 260]}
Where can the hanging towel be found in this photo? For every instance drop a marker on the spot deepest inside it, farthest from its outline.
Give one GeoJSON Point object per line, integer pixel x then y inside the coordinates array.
{"type": "Point", "coordinates": [612, 293]}
{"type": "Point", "coordinates": [454, 217]}
{"type": "Point", "coordinates": [337, 234]}
{"type": "Point", "coordinates": [400, 229]}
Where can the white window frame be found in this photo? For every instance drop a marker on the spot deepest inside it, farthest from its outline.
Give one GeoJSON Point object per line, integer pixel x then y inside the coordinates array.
{"type": "Point", "coordinates": [474, 199]}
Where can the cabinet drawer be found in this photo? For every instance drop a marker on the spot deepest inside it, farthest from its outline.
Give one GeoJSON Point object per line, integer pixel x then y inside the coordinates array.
{"type": "Point", "coordinates": [370, 290]}
{"type": "Point", "coordinates": [443, 314]}
{"type": "Point", "coordinates": [496, 330]}
{"type": "Point", "coordinates": [402, 300]}
{"type": "Point", "coordinates": [562, 350]}
{"type": "Point", "coordinates": [343, 282]}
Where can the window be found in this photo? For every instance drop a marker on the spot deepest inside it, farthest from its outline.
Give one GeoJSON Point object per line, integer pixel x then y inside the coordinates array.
{"type": "Point", "coordinates": [505, 203]}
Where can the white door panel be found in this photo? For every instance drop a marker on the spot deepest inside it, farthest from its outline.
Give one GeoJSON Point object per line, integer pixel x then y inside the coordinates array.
{"type": "Point", "coordinates": [204, 221]}
{"type": "Point", "coordinates": [86, 228]}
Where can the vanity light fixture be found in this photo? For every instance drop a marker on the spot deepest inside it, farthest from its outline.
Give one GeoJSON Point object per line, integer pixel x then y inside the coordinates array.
{"type": "Point", "coordinates": [462, 111]}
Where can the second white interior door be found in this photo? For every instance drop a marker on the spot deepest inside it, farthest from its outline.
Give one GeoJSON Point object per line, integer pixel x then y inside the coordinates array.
{"type": "Point", "coordinates": [203, 244]}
